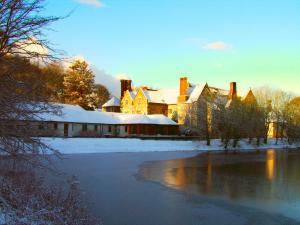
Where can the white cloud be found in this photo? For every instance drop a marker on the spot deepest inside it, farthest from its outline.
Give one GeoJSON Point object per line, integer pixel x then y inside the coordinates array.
{"type": "Point", "coordinates": [112, 83]}
{"type": "Point", "coordinates": [217, 46]}
{"type": "Point", "coordinates": [96, 3]}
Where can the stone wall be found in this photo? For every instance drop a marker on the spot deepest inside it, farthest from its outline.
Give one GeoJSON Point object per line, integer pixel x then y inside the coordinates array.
{"type": "Point", "coordinates": [140, 103]}
{"type": "Point", "coordinates": [156, 108]}
{"type": "Point", "coordinates": [127, 104]}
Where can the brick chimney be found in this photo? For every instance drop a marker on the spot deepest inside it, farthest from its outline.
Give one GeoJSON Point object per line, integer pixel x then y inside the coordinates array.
{"type": "Point", "coordinates": [184, 85]}
{"type": "Point", "coordinates": [232, 92]}
{"type": "Point", "coordinates": [125, 85]}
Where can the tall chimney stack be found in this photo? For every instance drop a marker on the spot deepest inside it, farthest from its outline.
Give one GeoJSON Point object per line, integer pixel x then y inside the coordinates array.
{"type": "Point", "coordinates": [184, 85]}
{"type": "Point", "coordinates": [125, 85]}
{"type": "Point", "coordinates": [232, 91]}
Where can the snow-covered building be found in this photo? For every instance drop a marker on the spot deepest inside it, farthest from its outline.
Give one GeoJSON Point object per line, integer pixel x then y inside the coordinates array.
{"type": "Point", "coordinates": [173, 102]}
{"type": "Point", "coordinates": [78, 122]}
{"type": "Point", "coordinates": [113, 105]}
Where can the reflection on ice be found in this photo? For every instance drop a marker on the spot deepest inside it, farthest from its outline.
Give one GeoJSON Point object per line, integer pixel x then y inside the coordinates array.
{"type": "Point", "coordinates": [270, 164]}
{"type": "Point", "coordinates": [267, 178]}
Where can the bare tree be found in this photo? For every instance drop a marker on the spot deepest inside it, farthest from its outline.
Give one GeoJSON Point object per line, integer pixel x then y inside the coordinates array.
{"type": "Point", "coordinates": [21, 29]}
{"type": "Point", "coordinates": [292, 113]}
{"type": "Point", "coordinates": [204, 112]}
{"type": "Point", "coordinates": [273, 103]}
{"type": "Point", "coordinates": [21, 22]}
{"type": "Point", "coordinates": [279, 103]}
{"type": "Point", "coordinates": [23, 196]}
{"type": "Point", "coordinates": [264, 96]}
{"type": "Point", "coordinates": [198, 119]}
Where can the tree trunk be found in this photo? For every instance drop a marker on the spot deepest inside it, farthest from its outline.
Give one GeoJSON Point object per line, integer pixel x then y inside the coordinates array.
{"type": "Point", "coordinates": [226, 143]}
{"type": "Point", "coordinates": [258, 141]}
{"type": "Point", "coordinates": [235, 143]}
{"type": "Point", "coordinates": [208, 141]}
{"type": "Point", "coordinates": [277, 129]}
{"type": "Point", "coordinates": [266, 139]}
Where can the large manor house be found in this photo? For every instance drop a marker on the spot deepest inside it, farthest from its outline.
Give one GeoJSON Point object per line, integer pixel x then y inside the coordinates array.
{"type": "Point", "coordinates": [190, 109]}
{"type": "Point", "coordinates": [175, 103]}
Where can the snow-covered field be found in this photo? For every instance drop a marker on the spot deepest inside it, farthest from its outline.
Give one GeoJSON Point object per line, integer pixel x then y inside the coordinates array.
{"type": "Point", "coordinates": [107, 145]}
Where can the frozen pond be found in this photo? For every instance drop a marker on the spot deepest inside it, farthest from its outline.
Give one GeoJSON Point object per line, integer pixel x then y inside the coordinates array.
{"type": "Point", "coordinates": [267, 180]}
{"type": "Point", "coordinates": [185, 188]}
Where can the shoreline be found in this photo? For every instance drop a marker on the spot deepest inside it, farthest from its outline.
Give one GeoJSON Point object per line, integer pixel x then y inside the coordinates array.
{"type": "Point", "coordinates": [120, 145]}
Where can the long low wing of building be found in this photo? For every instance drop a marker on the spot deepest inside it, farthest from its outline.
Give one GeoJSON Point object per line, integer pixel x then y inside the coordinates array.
{"type": "Point", "coordinates": [77, 122]}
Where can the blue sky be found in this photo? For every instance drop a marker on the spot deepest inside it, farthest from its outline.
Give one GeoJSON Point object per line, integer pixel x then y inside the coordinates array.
{"type": "Point", "coordinates": [155, 42]}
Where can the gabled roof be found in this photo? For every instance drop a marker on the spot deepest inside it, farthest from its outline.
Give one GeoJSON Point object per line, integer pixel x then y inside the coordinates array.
{"type": "Point", "coordinates": [245, 96]}
{"type": "Point", "coordinates": [250, 98]}
{"type": "Point", "coordinates": [112, 102]}
{"type": "Point", "coordinates": [196, 91]}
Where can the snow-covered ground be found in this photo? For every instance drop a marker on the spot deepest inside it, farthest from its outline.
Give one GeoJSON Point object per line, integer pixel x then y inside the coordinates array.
{"type": "Point", "coordinates": [2, 217]}
{"type": "Point", "coordinates": [107, 145]}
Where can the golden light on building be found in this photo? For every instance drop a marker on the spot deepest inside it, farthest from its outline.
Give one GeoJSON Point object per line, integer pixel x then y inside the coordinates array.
{"type": "Point", "coordinates": [270, 164]}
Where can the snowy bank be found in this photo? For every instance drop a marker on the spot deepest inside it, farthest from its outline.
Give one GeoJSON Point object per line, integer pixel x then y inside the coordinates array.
{"type": "Point", "coordinates": [107, 145]}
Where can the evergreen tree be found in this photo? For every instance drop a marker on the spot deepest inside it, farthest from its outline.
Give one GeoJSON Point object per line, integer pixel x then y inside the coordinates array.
{"type": "Point", "coordinates": [79, 85]}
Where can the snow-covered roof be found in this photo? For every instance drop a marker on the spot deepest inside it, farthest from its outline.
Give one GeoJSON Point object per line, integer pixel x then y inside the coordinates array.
{"type": "Point", "coordinates": [169, 95]}
{"type": "Point", "coordinates": [144, 119]}
{"type": "Point", "coordinates": [76, 114]}
{"type": "Point", "coordinates": [196, 92]}
{"type": "Point", "coordinates": [153, 96]}
{"type": "Point", "coordinates": [112, 102]}
{"type": "Point", "coordinates": [163, 96]}
{"type": "Point", "coordinates": [228, 104]}
{"type": "Point", "coordinates": [219, 91]}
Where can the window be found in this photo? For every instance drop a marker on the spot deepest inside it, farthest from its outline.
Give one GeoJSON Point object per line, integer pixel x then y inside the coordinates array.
{"type": "Point", "coordinates": [41, 127]}
{"type": "Point", "coordinates": [109, 129]}
{"type": "Point", "coordinates": [95, 128]}
{"type": "Point", "coordinates": [126, 129]}
{"type": "Point", "coordinates": [84, 127]}
{"type": "Point", "coordinates": [55, 126]}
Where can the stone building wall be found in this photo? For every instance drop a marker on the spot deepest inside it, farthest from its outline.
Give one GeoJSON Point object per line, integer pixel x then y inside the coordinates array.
{"type": "Point", "coordinates": [172, 110]}
{"type": "Point", "coordinates": [157, 108]}
{"type": "Point", "coordinates": [140, 103]}
{"type": "Point", "coordinates": [127, 104]}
